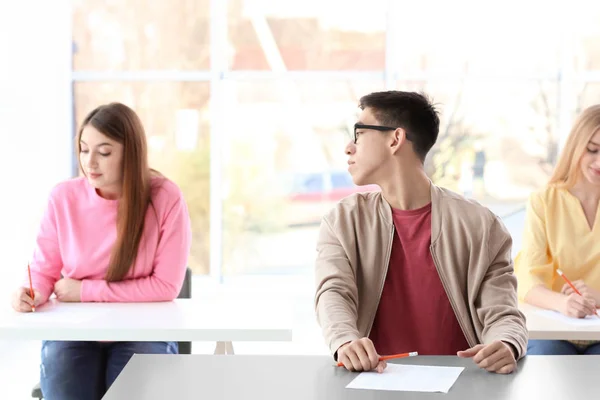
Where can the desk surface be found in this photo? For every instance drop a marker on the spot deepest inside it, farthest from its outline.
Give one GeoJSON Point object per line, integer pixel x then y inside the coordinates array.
{"type": "Point", "coordinates": [152, 377]}
{"type": "Point", "coordinates": [542, 327]}
{"type": "Point", "coordinates": [214, 317]}
{"type": "Point", "coordinates": [204, 318]}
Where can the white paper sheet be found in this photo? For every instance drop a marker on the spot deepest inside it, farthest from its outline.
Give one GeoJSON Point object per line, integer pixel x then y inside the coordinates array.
{"type": "Point", "coordinates": [590, 320]}
{"type": "Point", "coordinates": [408, 378]}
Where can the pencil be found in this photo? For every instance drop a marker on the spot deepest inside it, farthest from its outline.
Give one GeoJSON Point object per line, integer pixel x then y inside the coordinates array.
{"type": "Point", "coordinates": [572, 286]}
{"type": "Point", "coordinates": [31, 288]}
{"type": "Point", "coordinates": [391, 357]}
{"type": "Point", "coordinates": [568, 282]}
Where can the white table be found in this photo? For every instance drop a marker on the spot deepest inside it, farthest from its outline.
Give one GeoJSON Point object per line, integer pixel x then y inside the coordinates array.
{"type": "Point", "coordinates": [218, 318]}
{"type": "Point", "coordinates": [546, 328]}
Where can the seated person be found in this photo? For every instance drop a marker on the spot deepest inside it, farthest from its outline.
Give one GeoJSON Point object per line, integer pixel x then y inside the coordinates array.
{"type": "Point", "coordinates": [121, 233]}
{"type": "Point", "coordinates": [414, 267]}
{"type": "Point", "coordinates": [562, 232]}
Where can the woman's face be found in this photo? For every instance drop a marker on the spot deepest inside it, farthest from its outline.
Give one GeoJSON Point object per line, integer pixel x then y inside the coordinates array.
{"type": "Point", "coordinates": [102, 161]}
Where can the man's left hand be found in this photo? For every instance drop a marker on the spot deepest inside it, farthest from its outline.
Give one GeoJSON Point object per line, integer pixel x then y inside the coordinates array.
{"type": "Point", "coordinates": [495, 357]}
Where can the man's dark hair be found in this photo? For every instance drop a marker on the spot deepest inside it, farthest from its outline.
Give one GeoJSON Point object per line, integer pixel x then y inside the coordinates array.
{"type": "Point", "coordinates": [410, 111]}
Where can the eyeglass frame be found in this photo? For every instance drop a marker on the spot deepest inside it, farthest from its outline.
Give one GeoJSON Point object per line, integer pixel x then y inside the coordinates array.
{"type": "Point", "coordinates": [379, 128]}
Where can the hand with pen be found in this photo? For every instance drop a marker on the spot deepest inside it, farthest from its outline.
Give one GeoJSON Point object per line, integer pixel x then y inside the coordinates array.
{"type": "Point", "coordinates": [584, 289]}
{"type": "Point", "coordinates": [580, 300]}
{"type": "Point", "coordinates": [576, 306]}
{"type": "Point", "coordinates": [360, 355]}
{"type": "Point", "coordinates": [24, 301]}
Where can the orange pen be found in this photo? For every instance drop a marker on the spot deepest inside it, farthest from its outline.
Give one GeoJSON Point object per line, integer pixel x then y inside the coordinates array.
{"type": "Point", "coordinates": [570, 284]}
{"type": "Point", "coordinates": [31, 288]}
{"type": "Point", "coordinates": [391, 357]}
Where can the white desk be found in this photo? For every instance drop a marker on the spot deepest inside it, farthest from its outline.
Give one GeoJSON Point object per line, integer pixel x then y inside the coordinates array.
{"type": "Point", "coordinates": [542, 327]}
{"type": "Point", "coordinates": [222, 319]}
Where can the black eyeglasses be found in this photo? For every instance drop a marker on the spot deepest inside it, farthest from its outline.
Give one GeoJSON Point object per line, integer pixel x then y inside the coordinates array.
{"type": "Point", "coordinates": [375, 128]}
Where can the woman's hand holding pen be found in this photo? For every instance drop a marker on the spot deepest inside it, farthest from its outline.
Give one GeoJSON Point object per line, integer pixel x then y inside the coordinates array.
{"type": "Point", "coordinates": [576, 306]}
{"type": "Point", "coordinates": [583, 289]}
{"type": "Point", "coordinates": [22, 299]}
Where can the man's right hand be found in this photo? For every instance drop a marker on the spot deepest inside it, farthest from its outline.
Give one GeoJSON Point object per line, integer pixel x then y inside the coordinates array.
{"type": "Point", "coordinates": [360, 355]}
{"type": "Point", "coordinates": [577, 306]}
{"type": "Point", "coordinates": [22, 301]}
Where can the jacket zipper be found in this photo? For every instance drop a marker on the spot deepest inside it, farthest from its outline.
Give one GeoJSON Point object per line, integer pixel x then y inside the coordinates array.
{"type": "Point", "coordinates": [471, 341]}
{"type": "Point", "coordinates": [386, 266]}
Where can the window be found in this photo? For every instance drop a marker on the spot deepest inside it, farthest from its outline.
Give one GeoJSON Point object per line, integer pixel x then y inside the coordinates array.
{"type": "Point", "coordinates": [309, 35]}
{"type": "Point", "coordinates": [294, 132]}
{"type": "Point", "coordinates": [248, 104]}
{"type": "Point", "coordinates": [137, 35]}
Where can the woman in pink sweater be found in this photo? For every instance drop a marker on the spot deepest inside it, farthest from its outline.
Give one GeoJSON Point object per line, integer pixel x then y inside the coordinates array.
{"type": "Point", "coordinates": [119, 234]}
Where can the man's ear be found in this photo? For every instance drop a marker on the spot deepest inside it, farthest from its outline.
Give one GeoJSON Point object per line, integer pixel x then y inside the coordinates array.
{"type": "Point", "coordinates": [399, 137]}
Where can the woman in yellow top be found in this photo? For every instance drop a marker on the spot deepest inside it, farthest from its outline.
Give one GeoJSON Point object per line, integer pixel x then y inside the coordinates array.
{"type": "Point", "coordinates": [562, 231]}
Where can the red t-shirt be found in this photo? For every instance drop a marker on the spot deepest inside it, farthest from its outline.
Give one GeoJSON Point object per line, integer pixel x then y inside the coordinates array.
{"type": "Point", "coordinates": [414, 312]}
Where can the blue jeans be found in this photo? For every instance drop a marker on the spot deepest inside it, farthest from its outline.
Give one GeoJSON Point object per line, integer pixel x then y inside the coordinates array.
{"type": "Point", "coordinates": [85, 370]}
{"type": "Point", "coordinates": [559, 348]}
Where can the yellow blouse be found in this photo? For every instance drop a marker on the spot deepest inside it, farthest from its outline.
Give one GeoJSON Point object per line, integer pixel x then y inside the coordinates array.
{"type": "Point", "coordinates": [557, 235]}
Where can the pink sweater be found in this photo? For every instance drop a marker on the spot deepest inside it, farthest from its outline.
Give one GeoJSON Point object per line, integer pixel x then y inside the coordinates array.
{"type": "Point", "coordinates": [78, 231]}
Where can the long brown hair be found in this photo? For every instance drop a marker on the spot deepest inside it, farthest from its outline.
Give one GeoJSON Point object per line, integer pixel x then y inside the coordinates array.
{"type": "Point", "coordinates": [121, 123]}
{"type": "Point", "coordinates": [567, 171]}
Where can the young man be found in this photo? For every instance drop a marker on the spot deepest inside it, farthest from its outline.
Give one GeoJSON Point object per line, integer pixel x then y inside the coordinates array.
{"type": "Point", "coordinates": [414, 267]}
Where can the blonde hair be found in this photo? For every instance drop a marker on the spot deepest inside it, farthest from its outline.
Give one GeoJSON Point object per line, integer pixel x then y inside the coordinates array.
{"type": "Point", "coordinates": [567, 171]}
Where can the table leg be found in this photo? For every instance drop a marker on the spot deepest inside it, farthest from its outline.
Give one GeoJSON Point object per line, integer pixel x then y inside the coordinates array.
{"type": "Point", "coordinates": [229, 347]}
{"type": "Point", "coordinates": [224, 348]}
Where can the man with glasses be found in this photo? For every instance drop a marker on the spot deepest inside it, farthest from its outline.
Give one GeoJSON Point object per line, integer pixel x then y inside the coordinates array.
{"type": "Point", "coordinates": [414, 267]}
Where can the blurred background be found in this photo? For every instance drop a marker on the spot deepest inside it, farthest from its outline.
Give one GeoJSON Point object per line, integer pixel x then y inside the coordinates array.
{"type": "Point", "coordinates": [247, 106]}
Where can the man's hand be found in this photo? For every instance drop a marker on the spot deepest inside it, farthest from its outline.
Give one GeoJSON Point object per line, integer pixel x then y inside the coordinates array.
{"type": "Point", "coordinates": [68, 290]}
{"type": "Point", "coordinates": [360, 355]}
{"type": "Point", "coordinates": [494, 357]}
{"type": "Point", "coordinates": [584, 289]}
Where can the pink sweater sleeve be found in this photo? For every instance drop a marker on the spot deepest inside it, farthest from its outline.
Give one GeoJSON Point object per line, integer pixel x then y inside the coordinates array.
{"type": "Point", "coordinates": [47, 261]}
{"type": "Point", "coordinates": [168, 271]}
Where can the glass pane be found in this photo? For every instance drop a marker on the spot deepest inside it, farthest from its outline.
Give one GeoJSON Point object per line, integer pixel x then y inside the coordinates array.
{"type": "Point", "coordinates": [141, 35]}
{"type": "Point", "coordinates": [587, 94]}
{"type": "Point", "coordinates": [306, 35]}
{"type": "Point", "coordinates": [498, 139]}
{"type": "Point", "coordinates": [284, 168]}
{"type": "Point", "coordinates": [177, 124]}
{"type": "Point", "coordinates": [587, 49]}
{"type": "Point", "coordinates": [476, 38]}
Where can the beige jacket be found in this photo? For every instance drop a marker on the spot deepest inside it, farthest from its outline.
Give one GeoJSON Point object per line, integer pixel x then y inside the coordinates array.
{"type": "Point", "coordinates": [471, 251]}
